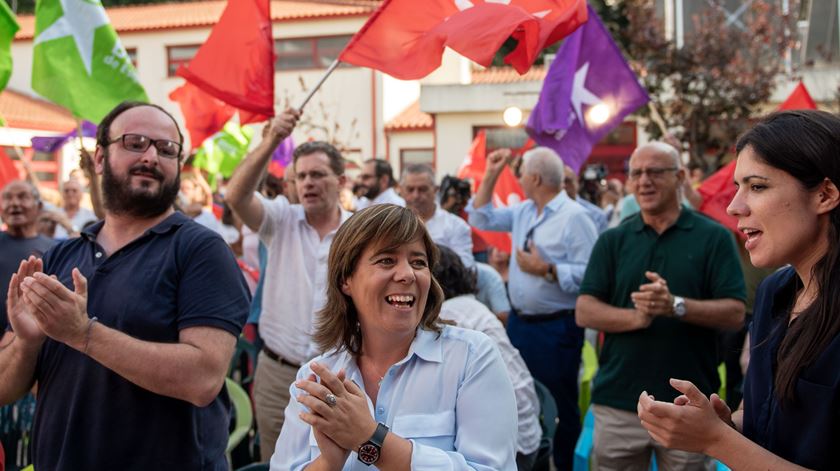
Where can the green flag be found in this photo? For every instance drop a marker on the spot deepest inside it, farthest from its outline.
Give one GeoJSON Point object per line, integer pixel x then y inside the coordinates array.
{"type": "Point", "coordinates": [8, 28]}
{"type": "Point", "coordinates": [78, 60]}
{"type": "Point", "coordinates": [220, 153]}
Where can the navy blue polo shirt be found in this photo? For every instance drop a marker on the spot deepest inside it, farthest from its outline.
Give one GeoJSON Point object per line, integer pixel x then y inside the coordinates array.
{"type": "Point", "coordinates": [178, 274]}
{"type": "Point", "coordinates": [807, 431]}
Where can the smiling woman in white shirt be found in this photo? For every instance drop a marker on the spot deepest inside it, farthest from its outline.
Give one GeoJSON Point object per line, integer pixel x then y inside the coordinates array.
{"type": "Point", "coordinates": [396, 388]}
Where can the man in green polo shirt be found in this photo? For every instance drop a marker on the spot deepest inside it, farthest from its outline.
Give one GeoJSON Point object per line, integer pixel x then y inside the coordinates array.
{"type": "Point", "coordinates": [658, 285]}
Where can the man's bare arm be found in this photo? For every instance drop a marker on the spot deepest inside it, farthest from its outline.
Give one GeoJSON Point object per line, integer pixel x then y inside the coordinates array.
{"type": "Point", "coordinates": [593, 313]}
{"type": "Point", "coordinates": [240, 192]}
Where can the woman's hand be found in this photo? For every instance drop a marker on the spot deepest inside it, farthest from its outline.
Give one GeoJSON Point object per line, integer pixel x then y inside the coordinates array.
{"type": "Point", "coordinates": [348, 423]}
{"type": "Point", "coordinates": [692, 423]}
{"type": "Point", "coordinates": [331, 453]}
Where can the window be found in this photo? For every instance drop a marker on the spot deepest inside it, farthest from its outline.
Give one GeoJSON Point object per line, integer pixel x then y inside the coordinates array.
{"type": "Point", "coordinates": [177, 55]}
{"type": "Point", "coordinates": [308, 53]}
{"type": "Point", "coordinates": [417, 156]}
{"type": "Point", "coordinates": [132, 56]}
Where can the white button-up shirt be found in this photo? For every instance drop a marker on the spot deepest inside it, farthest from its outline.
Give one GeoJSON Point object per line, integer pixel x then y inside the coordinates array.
{"type": "Point", "coordinates": [295, 278]}
{"type": "Point", "coordinates": [460, 414]}
{"type": "Point", "coordinates": [469, 313]}
{"type": "Point", "coordinates": [453, 232]}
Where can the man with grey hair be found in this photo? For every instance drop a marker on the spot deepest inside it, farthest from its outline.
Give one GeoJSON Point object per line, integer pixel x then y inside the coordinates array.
{"type": "Point", "coordinates": [552, 237]}
{"type": "Point", "coordinates": [420, 193]}
{"type": "Point", "coordinates": [659, 286]}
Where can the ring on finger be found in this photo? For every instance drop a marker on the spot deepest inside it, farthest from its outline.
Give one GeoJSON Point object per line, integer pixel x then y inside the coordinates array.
{"type": "Point", "coordinates": [330, 399]}
{"type": "Point", "coordinates": [651, 304]}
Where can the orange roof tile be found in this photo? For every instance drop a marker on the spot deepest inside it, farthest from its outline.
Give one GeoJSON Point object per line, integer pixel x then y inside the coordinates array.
{"type": "Point", "coordinates": [26, 112]}
{"type": "Point", "coordinates": [410, 119]}
{"type": "Point", "coordinates": [206, 13]}
{"type": "Point", "coordinates": [508, 75]}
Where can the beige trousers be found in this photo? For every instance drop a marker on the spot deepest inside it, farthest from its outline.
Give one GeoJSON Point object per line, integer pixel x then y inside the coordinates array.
{"type": "Point", "coordinates": [622, 444]}
{"type": "Point", "coordinates": [271, 396]}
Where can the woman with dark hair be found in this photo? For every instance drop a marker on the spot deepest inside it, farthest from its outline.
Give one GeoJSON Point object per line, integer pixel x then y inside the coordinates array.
{"type": "Point", "coordinates": [462, 307]}
{"type": "Point", "coordinates": [396, 387]}
{"type": "Point", "coordinates": [786, 204]}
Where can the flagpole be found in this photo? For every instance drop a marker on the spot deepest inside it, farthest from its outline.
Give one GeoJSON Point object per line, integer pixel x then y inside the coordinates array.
{"type": "Point", "coordinates": [329, 71]}
{"type": "Point", "coordinates": [657, 118]}
{"type": "Point", "coordinates": [86, 165]}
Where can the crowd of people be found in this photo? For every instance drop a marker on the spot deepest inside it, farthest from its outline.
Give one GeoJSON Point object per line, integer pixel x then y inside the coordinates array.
{"type": "Point", "coordinates": [392, 334]}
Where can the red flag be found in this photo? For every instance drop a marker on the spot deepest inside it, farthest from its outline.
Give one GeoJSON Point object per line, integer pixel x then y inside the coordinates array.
{"type": "Point", "coordinates": [506, 193]}
{"type": "Point", "coordinates": [204, 114]}
{"type": "Point", "coordinates": [799, 99]}
{"type": "Point", "coordinates": [718, 190]}
{"type": "Point", "coordinates": [406, 38]}
{"type": "Point", "coordinates": [8, 171]}
{"type": "Point", "coordinates": [236, 63]}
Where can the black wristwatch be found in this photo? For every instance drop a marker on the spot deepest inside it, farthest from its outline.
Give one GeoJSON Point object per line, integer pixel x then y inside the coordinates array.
{"type": "Point", "coordinates": [369, 451]}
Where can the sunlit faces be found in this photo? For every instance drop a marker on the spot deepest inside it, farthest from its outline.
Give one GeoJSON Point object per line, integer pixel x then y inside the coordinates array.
{"type": "Point", "coordinates": [389, 288]}
{"type": "Point", "coordinates": [419, 192]}
{"type": "Point", "coordinates": [777, 214]}
{"type": "Point", "coordinates": [316, 183]}
{"type": "Point", "coordinates": [655, 180]}
{"type": "Point", "coordinates": [368, 180]}
{"type": "Point", "coordinates": [19, 205]}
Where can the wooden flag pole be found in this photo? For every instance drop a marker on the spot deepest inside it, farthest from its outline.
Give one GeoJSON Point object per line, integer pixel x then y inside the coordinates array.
{"type": "Point", "coordinates": [657, 118]}
{"type": "Point", "coordinates": [329, 71]}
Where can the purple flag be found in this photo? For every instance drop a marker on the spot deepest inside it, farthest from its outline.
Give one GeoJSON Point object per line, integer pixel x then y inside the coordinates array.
{"type": "Point", "coordinates": [51, 143]}
{"type": "Point", "coordinates": [283, 153]}
{"type": "Point", "coordinates": [588, 91]}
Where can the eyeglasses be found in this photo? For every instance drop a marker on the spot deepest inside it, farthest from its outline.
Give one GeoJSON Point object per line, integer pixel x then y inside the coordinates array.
{"type": "Point", "coordinates": [651, 172]}
{"type": "Point", "coordinates": [140, 143]}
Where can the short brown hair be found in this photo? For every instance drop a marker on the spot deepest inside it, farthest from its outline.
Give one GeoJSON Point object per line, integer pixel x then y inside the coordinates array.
{"type": "Point", "coordinates": [383, 225]}
{"type": "Point", "coordinates": [333, 154]}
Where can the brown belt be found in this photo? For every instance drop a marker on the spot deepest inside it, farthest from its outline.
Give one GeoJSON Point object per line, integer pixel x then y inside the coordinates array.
{"type": "Point", "coordinates": [274, 356]}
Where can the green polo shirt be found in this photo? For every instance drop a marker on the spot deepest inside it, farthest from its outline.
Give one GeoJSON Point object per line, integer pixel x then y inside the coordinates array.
{"type": "Point", "coordinates": [699, 260]}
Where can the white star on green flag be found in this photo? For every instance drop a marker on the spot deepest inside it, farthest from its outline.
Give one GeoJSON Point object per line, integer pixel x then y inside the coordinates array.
{"type": "Point", "coordinates": [79, 61]}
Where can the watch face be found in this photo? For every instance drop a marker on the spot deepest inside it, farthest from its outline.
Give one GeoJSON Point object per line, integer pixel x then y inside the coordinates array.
{"type": "Point", "coordinates": [368, 453]}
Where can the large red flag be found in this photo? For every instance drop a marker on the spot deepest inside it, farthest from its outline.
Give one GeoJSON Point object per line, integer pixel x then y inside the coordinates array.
{"type": "Point", "coordinates": [236, 63]}
{"type": "Point", "coordinates": [406, 38]}
{"type": "Point", "coordinates": [204, 114]}
{"type": "Point", "coordinates": [718, 190]}
{"type": "Point", "coordinates": [506, 193]}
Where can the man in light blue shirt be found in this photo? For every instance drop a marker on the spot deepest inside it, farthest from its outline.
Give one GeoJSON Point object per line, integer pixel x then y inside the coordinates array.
{"type": "Point", "coordinates": [552, 238]}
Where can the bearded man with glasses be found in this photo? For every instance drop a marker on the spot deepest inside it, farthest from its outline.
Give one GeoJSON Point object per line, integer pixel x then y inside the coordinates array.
{"type": "Point", "coordinates": [659, 285]}
{"type": "Point", "coordinates": [128, 329]}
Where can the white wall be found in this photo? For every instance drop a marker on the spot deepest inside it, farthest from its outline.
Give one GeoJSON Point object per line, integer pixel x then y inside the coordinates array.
{"type": "Point", "coordinates": [407, 140]}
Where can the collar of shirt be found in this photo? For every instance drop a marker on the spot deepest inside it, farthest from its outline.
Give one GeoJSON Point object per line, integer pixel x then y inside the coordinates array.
{"type": "Point", "coordinates": [175, 219]}
{"type": "Point", "coordinates": [684, 222]}
{"type": "Point", "coordinates": [301, 215]}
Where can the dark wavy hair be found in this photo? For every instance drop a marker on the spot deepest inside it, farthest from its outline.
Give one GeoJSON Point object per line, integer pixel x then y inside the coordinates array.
{"type": "Point", "coordinates": [453, 276]}
{"type": "Point", "coordinates": [332, 153]}
{"type": "Point", "coordinates": [385, 226]}
{"type": "Point", "coordinates": [806, 145]}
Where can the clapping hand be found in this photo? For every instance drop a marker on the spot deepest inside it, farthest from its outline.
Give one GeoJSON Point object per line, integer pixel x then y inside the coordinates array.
{"type": "Point", "coordinates": [21, 318]}
{"type": "Point", "coordinates": [60, 313]}
{"type": "Point", "coordinates": [338, 412]}
{"type": "Point", "coordinates": [654, 298]}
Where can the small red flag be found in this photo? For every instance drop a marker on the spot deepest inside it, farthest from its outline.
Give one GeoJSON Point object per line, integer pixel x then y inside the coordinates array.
{"type": "Point", "coordinates": [204, 114]}
{"type": "Point", "coordinates": [718, 190]}
{"type": "Point", "coordinates": [236, 63]}
{"type": "Point", "coordinates": [8, 171]}
{"type": "Point", "coordinates": [799, 99]}
{"type": "Point", "coordinates": [406, 38]}
{"type": "Point", "coordinates": [506, 193]}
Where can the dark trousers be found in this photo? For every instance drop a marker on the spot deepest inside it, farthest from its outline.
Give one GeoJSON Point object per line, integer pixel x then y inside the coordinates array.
{"type": "Point", "coordinates": [551, 350]}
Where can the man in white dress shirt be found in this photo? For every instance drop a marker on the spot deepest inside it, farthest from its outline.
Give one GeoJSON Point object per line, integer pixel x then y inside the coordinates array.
{"type": "Point", "coordinates": [418, 187]}
{"type": "Point", "coordinates": [377, 178]}
{"type": "Point", "coordinates": [298, 239]}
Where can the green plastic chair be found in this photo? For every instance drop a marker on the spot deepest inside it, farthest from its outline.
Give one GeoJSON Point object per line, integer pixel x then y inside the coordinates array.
{"type": "Point", "coordinates": [590, 366]}
{"type": "Point", "coordinates": [243, 347]}
{"type": "Point", "coordinates": [243, 414]}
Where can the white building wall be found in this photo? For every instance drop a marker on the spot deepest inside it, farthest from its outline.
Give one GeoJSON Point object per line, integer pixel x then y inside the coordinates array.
{"type": "Point", "coordinates": [400, 140]}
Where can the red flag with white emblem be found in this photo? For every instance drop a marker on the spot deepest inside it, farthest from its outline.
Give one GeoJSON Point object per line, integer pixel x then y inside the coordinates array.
{"type": "Point", "coordinates": [406, 38]}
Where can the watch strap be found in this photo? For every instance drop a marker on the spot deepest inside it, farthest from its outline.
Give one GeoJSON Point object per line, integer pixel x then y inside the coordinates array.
{"type": "Point", "coordinates": [379, 435]}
